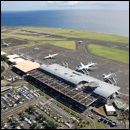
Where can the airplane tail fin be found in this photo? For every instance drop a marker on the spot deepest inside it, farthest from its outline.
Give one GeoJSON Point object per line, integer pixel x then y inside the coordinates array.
{"type": "Point", "coordinates": [57, 52]}
{"type": "Point", "coordinates": [81, 64]}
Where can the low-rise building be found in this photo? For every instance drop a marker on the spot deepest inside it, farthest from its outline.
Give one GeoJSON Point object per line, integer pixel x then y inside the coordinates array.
{"type": "Point", "coordinates": [110, 110]}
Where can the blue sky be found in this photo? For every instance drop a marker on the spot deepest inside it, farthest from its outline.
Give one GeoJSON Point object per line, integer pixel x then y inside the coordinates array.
{"type": "Point", "coordinates": [63, 5]}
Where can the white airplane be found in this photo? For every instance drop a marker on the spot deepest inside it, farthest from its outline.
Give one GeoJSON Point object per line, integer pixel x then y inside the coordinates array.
{"type": "Point", "coordinates": [89, 66]}
{"type": "Point", "coordinates": [51, 56]}
{"type": "Point", "coordinates": [6, 44]}
{"type": "Point", "coordinates": [108, 76]}
{"type": "Point", "coordinates": [80, 41]}
{"type": "Point", "coordinates": [36, 48]}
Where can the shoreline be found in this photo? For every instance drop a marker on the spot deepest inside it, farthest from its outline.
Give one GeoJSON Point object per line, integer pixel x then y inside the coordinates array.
{"type": "Point", "coordinates": [70, 30]}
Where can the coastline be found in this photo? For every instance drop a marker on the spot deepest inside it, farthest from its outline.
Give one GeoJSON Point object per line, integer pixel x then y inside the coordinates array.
{"type": "Point", "coordinates": [67, 29]}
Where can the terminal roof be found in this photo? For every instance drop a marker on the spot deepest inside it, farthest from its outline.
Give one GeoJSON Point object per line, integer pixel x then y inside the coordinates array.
{"type": "Point", "coordinates": [104, 89]}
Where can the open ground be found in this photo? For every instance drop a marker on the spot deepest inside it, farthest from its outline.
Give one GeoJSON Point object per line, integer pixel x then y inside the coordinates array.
{"type": "Point", "coordinates": [73, 58]}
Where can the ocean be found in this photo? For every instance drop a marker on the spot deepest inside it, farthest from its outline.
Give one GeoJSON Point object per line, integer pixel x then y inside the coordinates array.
{"type": "Point", "coordinates": [109, 22]}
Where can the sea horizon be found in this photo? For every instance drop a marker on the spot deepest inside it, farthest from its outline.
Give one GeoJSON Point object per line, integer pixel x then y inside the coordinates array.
{"type": "Point", "coordinates": [108, 22]}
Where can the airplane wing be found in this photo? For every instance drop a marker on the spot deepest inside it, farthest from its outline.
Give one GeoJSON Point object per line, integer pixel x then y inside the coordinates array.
{"type": "Point", "coordinates": [82, 64]}
{"type": "Point", "coordinates": [47, 57]}
{"type": "Point", "coordinates": [91, 68]}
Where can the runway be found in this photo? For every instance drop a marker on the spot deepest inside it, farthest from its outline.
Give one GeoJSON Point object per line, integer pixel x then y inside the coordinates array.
{"type": "Point", "coordinates": [73, 58]}
{"type": "Point", "coordinates": [116, 45]}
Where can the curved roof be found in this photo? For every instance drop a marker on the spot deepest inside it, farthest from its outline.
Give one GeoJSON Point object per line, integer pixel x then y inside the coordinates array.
{"type": "Point", "coordinates": [75, 77]}
{"type": "Point", "coordinates": [93, 84]}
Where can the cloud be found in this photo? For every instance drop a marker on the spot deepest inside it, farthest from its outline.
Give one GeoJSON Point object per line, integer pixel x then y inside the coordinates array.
{"type": "Point", "coordinates": [64, 5]}
{"type": "Point", "coordinates": [73, 2]}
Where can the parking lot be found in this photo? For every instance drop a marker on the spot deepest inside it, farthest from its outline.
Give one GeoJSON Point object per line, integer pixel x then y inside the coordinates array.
{"type": "Point", "coordinates": [107, 121]}
{"type": "Point", "coordinates": [17, 96]}
{"type": "Point", "coordinates": [41, 117]}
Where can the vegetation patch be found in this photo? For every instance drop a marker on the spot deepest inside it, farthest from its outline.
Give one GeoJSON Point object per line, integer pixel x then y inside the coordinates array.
{"type": "Point", "coordinates": [17, 84]}
{"type": "Point", "coordinates": [2, 68]}
{"type": "Point", "coordinates": [83, 125]}
{"type": "Point", "coordinates": [98, 125]}
{"type": "Point", "coordinates": [64, 44]}
{"type": "Point", "coordinates": [4, 58]}
{"type": "Point", "coordinates": [109, 53]}
{"type": "Point", "coordinates": [23, 37]}
{"type": "Point", "coordinates": [2, 122]}
{"type": "Point", "coordinates": [80, 34]}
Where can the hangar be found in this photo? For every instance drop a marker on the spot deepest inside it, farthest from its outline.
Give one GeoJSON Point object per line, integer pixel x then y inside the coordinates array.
{"type": "Point", "coordinates": [67, 82]}
{"type": "Point", "coordinates": [26, 66]}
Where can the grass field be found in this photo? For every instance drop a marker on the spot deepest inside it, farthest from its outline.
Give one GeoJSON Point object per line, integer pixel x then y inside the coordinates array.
{"type": "Point", "coordinates": [101, 110]}
{"type": "Point", "coordinates": [80, 34]}
{"type": "Point", "coordinates": [64, 44]}
{"type": "Point", "coordinates": [23, 37]}
{"type": "Point", "coordinates": [17, 84]}
{"type": "Point", "coordinates": [40, 40]}
{"type": "Point", "coordinates": [109, 53]}
{"type": "Point", "coordinates": [97, 124]}
{"type": "Point", "coordinates": [127, 124]}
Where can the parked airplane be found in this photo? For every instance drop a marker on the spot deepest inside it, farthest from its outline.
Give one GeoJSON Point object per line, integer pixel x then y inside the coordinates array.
{"type": "Point", "coordinates": [6, 44]}
{"type": "Point", "coordinates": [51, 56]}
{"type": "Point", "coordinates": [89, 66]}
{"type": "Point", "coordinates": [36, 48]}
{"type": "Point", "coordinates": [109, 78]}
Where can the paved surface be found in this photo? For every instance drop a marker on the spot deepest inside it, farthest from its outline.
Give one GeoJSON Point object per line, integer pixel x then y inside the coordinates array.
{"type": "Point", "coordinates": [14, 42]}
{"type": "Point", "coordinates": [121, 46]}
{"type": "Point", "coordinates": [73, 58]}
{"type": "Point", "coordinates": [120, 120]}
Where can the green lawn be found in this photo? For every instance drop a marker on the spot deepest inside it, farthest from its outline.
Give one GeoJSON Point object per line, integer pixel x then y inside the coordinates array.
{"type": "Point", "coordinates": [40, 40]}
{"type": "Point", "coordinates": [101, 110]}
{"type": "Point", "coordinates": [64, 44]}
{"type": "Point", "coordinates": [109, 53]}
{"type": "Point", "coordinates": [23, 37]}
{"type": "Point", "coordinates": [17, 84]}
{"type": "Point", "coordinates": [127, 126]}
{"type": "Point", "coordinates": [80, 34]}
{"type": "Point", "coordinates": [97, 124]}
{"type": "Point", "coordinates": [22, 46]}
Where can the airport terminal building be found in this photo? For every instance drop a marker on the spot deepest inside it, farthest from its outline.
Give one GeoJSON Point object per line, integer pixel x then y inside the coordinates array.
{"type": "Point", "coordinates": [80, 88]}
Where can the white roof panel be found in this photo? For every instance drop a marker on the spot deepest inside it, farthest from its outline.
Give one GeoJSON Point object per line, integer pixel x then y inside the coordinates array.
{"type": "Point", "coordinates": [75, 77]}
{"type": "Point", "coordinates": [109, 108]}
